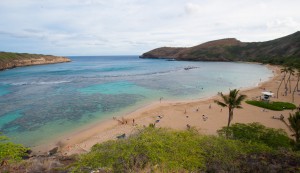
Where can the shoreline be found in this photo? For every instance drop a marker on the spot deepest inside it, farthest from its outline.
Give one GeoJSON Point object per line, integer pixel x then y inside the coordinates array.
{"type": "Point", "coordinates": [176, 115]}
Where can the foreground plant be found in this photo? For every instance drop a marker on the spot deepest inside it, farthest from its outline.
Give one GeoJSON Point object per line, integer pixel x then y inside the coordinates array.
{"type": "Point", "coordinates": [10, 152]}
{"type": "Point", "coordinates": [256, 132]}
{"type": "Point", "coordinates": [165, 150]}
{"type": "Point", "coordinates": [294, 120]}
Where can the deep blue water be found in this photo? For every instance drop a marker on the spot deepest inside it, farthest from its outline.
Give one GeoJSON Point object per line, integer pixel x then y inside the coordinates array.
{"type": "Point", "coordinates": [42, 102]}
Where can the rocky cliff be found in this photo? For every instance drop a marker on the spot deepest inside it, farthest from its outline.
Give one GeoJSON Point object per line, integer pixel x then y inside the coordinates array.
{"type": "Point", "coordinates": [231, 49]}
{"type": "Point", "coordinates": [12, 60]}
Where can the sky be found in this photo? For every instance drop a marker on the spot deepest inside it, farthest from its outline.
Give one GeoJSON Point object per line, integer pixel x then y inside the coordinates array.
{"type": "Point", "coordinates": [132, 27]}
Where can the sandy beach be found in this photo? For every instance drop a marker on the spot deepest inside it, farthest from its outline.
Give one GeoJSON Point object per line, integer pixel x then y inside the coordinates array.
{"type": "Point", "coordinates": [177, 115]}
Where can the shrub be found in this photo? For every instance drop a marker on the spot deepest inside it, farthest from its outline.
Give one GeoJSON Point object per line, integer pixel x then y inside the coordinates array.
{"type": "Point", "coordinates": [169, 149]}
{"type": "Point", "coordinates": [276, 106]}
{"type": "Point", "coordinates": [163, 150]}
{"type": "Point", "coordinates": [255, 132]}
{"type": "Point", "coordinates": [222, 154]}
{"type": "Point", "coordinates": [11, 152]}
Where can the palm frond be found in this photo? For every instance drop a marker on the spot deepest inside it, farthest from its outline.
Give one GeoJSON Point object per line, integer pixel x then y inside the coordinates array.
{"type": "Point", "coordinates": [220, 103]}
{"type": "Point", "coordinates": [239, 107]}
{"type": "Point", "coordinates": [240, 99]}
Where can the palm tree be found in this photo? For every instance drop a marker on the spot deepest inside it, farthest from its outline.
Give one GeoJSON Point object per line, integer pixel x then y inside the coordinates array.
{"type": "Point", "coordinates": [294, 121]}
{"type": "Point", "coordinates": [296, 86]}
{"type": "Point", "coordinates": [291, 73]}
{"type": "Point", "coordinates": [284, 71]}
{"type": "Point", "coordinates": [233, 100]}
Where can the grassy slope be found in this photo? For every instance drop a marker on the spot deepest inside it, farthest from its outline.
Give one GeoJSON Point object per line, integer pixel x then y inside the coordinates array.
{"type": "Point", "coordinates": [7, 56]}
{"type": "Point", "coordinates": [163, 150]}
{"type": "Point", "coordinates": [11, 60]}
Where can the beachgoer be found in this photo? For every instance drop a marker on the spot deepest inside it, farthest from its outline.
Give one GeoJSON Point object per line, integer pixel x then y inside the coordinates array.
{"type": "Point", "coordinates": [281, 117]}
{"type": "Point", "coordinates": [209, 106]}
{"type": "Point", "coordinates": [133, 121]}
{"type": "Point", "coordinates": [221, 110]}
{"type": "Point", "coordinates": [204, 117]}
{"type": "Point", "coordinates": [185, 111]}
{"type": "Point", "coordinates": [197, 109]}
{"type": "Point", "coordinates": [188, 126]}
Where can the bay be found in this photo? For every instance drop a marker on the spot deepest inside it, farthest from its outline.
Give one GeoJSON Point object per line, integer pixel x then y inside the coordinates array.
{"type": "Point", "coordinates": [38, 103]}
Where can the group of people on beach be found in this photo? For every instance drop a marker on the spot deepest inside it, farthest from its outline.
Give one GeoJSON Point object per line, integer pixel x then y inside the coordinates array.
{"type": "Point", "coordinates": [124, 121]}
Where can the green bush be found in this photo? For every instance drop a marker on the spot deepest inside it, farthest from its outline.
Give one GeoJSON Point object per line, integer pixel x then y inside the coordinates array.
{"type": "Point", "coordinates": [163, 150]}
{"type": "Point", "coordinates": [276, 106]}
{"type": "Point", "coordinates": [222, 154]}
{"type": "Point", "coordinates": [168, 149]}
{"type": "Point", "coordinates": [11, 152]}
{"type": "Point", "coordinates": [255, 132]}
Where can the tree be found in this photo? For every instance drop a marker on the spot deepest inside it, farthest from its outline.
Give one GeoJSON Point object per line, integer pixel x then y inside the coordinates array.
{"type": "Point", "coordinates": [296, 86]}
{"type": "Point", "coordinates": [284, 71]}
{"type": "Point", "coordinates": [291, 73]}
{"type": "Point", "coordinates": [232, 101]}
{"type": "Point", "coordinates": [294, 120]}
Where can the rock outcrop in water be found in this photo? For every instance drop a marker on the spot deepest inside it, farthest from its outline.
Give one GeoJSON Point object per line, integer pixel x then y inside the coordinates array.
{"type": "Point", "coordinates": [12, 60]}
{"type": "Point", "coordinates": [231, 49]}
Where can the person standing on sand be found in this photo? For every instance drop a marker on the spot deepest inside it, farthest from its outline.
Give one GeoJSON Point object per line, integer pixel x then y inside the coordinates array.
{"type": "Point", "coordinates": [133, 121]}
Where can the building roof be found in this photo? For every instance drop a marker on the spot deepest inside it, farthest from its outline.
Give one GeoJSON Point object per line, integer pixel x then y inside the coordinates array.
{"type": "Point", "coordinates": [267, 93]}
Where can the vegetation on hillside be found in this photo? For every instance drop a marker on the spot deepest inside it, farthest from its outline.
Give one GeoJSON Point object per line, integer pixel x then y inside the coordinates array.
{"type": "Point", "coordinates": [251, 148]}
{"type": "Point", "coordinates": [276, 106]}
{"type": "Point", "coordinates": [238, 148]}
{"type": "Point", "coordinates": [294, 120]}
{"type": "Point", "coordinates": [11, 60]}
{"type": "Point", "coordinates": [4, 56]}
{"type": "Point", "coordinates": [281, 51]}
{"type": "Point", "coordinates": [10, 152]}
{"type": "Point", "coordinates": [255, 132]}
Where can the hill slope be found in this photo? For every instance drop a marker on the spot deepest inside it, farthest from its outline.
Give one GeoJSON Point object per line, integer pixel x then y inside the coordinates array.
{"type": "Point", "coordinates": [231, 49]}
{"type": "Point", "coordinates": [11, 60]}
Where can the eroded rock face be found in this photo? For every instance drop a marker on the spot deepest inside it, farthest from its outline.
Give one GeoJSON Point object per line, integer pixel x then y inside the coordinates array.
{"type": "Point", "coordinates": [43, 59]}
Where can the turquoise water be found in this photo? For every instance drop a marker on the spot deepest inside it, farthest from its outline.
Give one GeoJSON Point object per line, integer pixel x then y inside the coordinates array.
{"type": "Point", "coordinates": [44, 102]}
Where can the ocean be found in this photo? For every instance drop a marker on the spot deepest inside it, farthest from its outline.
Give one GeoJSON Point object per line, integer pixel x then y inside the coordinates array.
{"type": "Point", "coordinates": [39, 103]}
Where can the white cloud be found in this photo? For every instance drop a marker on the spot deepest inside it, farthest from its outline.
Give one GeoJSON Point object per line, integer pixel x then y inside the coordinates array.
{"type": "Point", "coordinates": [95, 27]}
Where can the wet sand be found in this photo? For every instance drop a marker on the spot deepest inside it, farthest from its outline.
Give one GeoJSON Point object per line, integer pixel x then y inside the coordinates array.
{"type": "Point", "coordinates": [177, 115]}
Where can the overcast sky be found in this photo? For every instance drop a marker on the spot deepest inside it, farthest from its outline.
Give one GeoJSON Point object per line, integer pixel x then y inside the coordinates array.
{"type": "Point", "coordinates": [132, 27]}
